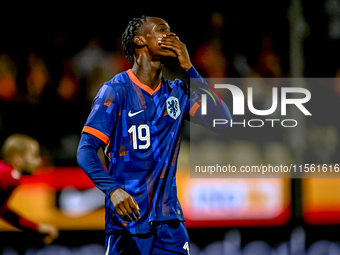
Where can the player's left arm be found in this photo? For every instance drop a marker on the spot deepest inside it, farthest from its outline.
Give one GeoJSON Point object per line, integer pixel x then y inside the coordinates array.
{"type": "Point", "coordinates": [172, 42]}
{"type": "Point", "coordinates": [49, 232]}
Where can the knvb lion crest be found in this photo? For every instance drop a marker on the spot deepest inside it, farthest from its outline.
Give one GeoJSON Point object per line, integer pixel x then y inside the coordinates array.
{"type": "Point", "coordinates": [172, 107]}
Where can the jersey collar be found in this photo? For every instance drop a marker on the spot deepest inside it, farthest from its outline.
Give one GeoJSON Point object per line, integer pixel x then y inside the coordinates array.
{"type": "Point", "coordinates": [136, 81]}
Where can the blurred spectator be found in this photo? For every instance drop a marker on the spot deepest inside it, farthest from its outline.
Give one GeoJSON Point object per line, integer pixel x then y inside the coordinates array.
{"type": "Point", "coordinates": [8, 73]}
{"type": "Point", "coordinates": [210, 57]}
{"type": "Point", "coordinates": [119, 62]}
{"type": "Point", "coordinates": [93, 67]}
{"type": "Point", "coordinates": [70, 109]}
{"type": "Point", "coordinates": [68, 87]}
{"type": "Point", "coordinates": [269, 63]}
{"type": "Point", "coordinates": [37, 78]}
{"type": "Point", "coordinates": [332, 9]}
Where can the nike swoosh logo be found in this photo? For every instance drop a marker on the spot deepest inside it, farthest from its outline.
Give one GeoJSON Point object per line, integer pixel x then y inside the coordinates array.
{"type": "Point", "coordinates": [133, 114]}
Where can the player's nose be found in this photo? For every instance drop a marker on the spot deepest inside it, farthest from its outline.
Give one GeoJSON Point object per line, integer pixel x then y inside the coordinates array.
{"type": "Point", "coordinates": [171, 34]}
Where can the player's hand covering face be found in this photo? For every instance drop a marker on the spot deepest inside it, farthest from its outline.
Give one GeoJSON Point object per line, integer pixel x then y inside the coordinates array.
{"type": "Point", "coordinates": [171, 41]}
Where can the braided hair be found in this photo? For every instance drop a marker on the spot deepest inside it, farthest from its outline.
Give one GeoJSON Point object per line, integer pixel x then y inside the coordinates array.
{"type": "Point", "coordinates": [129, 35]}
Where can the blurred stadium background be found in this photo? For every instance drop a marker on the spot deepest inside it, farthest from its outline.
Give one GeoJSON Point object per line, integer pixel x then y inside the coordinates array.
{"type": "Point", "coordinates": [53, 60]}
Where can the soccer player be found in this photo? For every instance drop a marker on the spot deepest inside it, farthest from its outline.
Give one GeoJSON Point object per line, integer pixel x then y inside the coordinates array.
{"type": "Point", "coordinates": [137, 118]}
{"type": "Point", "coordinates": [20, 156]}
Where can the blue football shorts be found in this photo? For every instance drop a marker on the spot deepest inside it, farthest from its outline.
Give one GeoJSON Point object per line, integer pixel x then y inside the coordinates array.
{"type": "Point", "coordinates": [167, 237]}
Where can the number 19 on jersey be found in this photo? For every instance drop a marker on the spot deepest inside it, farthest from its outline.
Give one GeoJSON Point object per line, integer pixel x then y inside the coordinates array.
{"type": "Point", "coordinates": [143, 133]}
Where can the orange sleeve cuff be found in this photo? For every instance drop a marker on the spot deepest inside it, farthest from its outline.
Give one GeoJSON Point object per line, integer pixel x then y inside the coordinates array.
{"type": "Point", "coordinates": [100, 135]}
{"type": "Point", "coordinates": [194, 109]}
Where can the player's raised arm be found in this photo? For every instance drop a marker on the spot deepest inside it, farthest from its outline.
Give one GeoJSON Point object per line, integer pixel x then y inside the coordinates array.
{"type": "Point", "coordinates": [172, 42]}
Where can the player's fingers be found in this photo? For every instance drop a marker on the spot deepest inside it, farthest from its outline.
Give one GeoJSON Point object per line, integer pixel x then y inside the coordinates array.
{"type": "Point", "coordinates": [135, 207]}
{"type": "Point", "coordinates": [169, 39]}
{"type": "Point", "coordinates": [169, 34]}
{"type": "Point", "coordinates": [168, 43]}
{"type": "Point", "coordinates": [125, 213]}
{"type": "Point", "coordinates": [170, 47]}
{"type": "Point", "coordinates": [173, 42]}
{"type": "Point", "coordinates": [119, 211]}
{"type": "Point", "coordinates": [128, 209]}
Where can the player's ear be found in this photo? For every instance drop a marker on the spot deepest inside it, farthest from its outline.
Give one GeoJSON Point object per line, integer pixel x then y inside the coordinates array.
{"type": "Point", "coordinates": [139, 40]}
